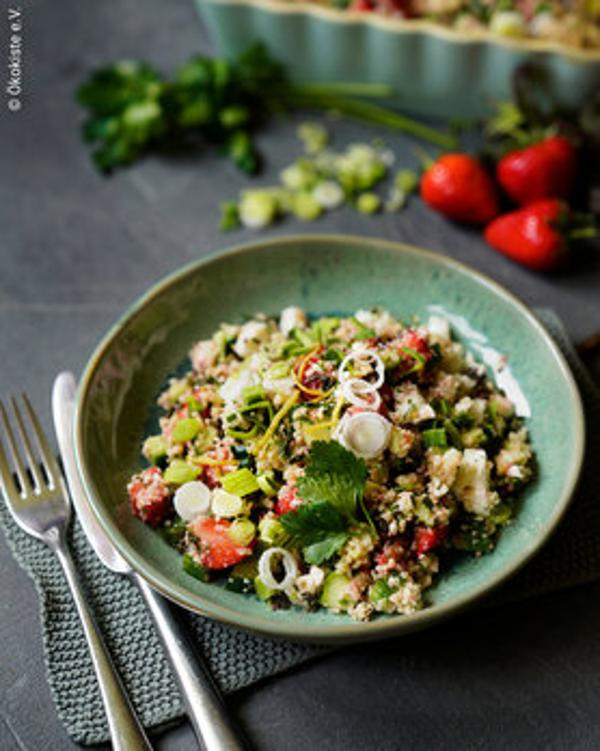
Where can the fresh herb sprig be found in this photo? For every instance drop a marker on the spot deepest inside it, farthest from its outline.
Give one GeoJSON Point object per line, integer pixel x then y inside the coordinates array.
{"type": "Point", "coordinates": [133, 110]}
{"type": "Point", "coordinates": [333, 486]}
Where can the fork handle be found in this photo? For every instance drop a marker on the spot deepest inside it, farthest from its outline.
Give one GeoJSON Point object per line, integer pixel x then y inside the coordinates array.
{"type": "Point", "coordinates": [126, 731]}
{"type": "Point", "coordinates": [205, 708]}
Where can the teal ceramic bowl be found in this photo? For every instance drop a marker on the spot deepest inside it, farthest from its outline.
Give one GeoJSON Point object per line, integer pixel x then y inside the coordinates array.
{"type": "Point", "coordinates": [434, 70]}
{"type": "Point", "coordinates": [322, 274]}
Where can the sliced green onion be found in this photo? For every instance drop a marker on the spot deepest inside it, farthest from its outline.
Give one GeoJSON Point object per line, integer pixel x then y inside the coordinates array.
{"type": "Point", "coordinates": [258, 405]}
{"type": "Point", "coordinates": [417, 357]}
{"type": "Point", "coordinates": [186, 430]}
{"type": "Point", "coordinates": [364, 332]}
{"type": "Point", "coordinates": [279, 370]}
{"type": "Point", "coordinates": [267, 483]}
{"type": "Point", "coordinates": [241, 482]}
{"type": "Point", "coordinates": [242, 435]}
{"type": "Point", "coordinates": [435, 438]}
{"type": "Point", "coordinates": [253, 394]}
{"type": "Point", "coordinates": [368, 203]}
{"type": "Point", "coordinates": [155, 447]}
{"type": "Point", "coordinates": [242, 532]}
{"type": "Point", "coordinates": [179, 472]}
{"type": "Point", "coordinates": [453, 434]}
{"type": "Point", "coordinates": [271, 532]}
{"type": "Point", "coordinates": [194, 569]}
{"type": "Point", "coordinates": [226, 505]}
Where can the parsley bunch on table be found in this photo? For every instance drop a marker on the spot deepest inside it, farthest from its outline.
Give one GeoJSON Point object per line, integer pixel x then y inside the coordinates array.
{"type": "Point", "coordinates": [133, 110]}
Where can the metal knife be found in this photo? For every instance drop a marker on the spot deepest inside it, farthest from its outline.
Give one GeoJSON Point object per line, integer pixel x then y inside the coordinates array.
{"type": "Point", "coordinates": [205, 708]}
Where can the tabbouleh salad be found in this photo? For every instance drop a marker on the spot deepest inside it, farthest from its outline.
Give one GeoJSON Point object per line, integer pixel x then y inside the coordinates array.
{"type": "Point", "coordinates": [339, 462]}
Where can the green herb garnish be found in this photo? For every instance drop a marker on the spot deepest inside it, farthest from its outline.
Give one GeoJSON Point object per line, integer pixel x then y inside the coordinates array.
{"type": "Point", "coordinates": [333, 475]}
{"type": "Point", "coordinates": [319, 528]}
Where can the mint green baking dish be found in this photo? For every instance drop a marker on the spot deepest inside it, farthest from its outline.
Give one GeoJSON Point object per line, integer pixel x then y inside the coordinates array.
{"type": "Point", "coordinates": [435, 71]}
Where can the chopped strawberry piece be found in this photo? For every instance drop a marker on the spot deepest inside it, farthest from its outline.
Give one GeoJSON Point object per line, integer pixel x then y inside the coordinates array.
{"type": "Point", "coordinates": [211, 474]}
{"type": "Point", "coordinates": [287, 500]}
{"type": "Point", "coordinates": [413, 340]}
{"type": "Point", "coordinates": [362, 6]}
{"type": "Point", "coordinates": [429, 538]}
{"type": "Point", "coordinates": [217, 549]}
{"type": "Point", "coordinates": [392, 554]}
{"type": "Point", "coordinates": [149, 496]}
{"type": "Point", "coordinates": [415, 353]}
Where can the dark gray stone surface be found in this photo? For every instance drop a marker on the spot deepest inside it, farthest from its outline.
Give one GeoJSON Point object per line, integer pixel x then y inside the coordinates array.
{"type": "Point", "coordinates": [76, 249]}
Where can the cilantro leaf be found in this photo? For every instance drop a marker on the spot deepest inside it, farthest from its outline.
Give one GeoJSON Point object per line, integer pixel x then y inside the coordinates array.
{"type": "Point", "coordinates": [334, 476]}
{"type": "Point", "coordinates": [319, 528]}
{"type": "Point", "coordinates": [321, 551]}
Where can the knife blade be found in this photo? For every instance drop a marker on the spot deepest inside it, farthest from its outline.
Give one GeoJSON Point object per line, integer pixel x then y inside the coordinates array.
{"type": "Point", "coordinates": [205, 708]}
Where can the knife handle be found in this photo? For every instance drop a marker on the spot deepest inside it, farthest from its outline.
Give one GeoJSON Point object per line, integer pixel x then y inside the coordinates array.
{"type": "Point", "coordinates": [205, 708]}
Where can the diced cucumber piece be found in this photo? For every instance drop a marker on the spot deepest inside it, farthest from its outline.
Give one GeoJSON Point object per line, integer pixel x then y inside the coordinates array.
{"type": "Point", "coordinates": [242, 532]}
{"type": "Point", "coordinates": [262, 591]}
{"type": "Point", "coordinates": [335, 591]}
{"type": "Point", "coordinates": [179, 471]}
{"type": "Point", "coordinates": [155, 447]}
{"type": "Point", "coordinates": [186, 430]}
{"type": "Point", "coordinates": [194, 569]}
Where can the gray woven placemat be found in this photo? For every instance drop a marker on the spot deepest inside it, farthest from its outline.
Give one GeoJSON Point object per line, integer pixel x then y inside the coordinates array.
{"type": "Point", "coordinates": [238, 659]}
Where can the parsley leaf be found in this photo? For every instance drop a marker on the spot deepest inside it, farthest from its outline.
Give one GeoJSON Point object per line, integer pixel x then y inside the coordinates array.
{"type": "Point", "coordinates": [334, 476]}
{"type": "Point", "coordinates": [319, 528]}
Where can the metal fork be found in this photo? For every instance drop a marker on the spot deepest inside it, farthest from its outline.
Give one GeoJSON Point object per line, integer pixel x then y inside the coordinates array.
{"type": "Point", "coordinates": [38, 501]}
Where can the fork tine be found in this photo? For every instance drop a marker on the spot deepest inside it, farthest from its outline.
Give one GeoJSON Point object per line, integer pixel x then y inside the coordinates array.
{"type": "Point", "coordinates": [6, 484]}
{"type": "Point", "coordinates": [14, 450]}
{"type": "Point", "coordinates": [47, 456]}
{"type": "Point", "coordinates": [38, 480]}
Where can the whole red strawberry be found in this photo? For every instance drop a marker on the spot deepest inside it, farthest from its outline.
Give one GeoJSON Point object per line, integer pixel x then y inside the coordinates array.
{"type": "Point", "coordinates": [532, 235]}
{"type": "Point", "coordinates": [458, 186]}
{"type": "Point", "coordinates": [544, 170]}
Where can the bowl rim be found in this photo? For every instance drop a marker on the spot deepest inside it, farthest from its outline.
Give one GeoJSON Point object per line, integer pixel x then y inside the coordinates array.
{"type": "Point", "coordinates": [347, 631]}
{"type": "Point", "coordinates": [405, 26]}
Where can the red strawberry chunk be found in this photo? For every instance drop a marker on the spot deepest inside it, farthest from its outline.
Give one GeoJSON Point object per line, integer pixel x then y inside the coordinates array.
{"type": "Point", "coordinates": [211, 474]}
{"type": "Point", "coordinates": [392, 555]}
{"type": "Point", "coordinates": [217, 549]}
{"type": "Point", "coordinates": [149, 496]}
{"type": "Point", "coordinates": [429, 538]}
{"type": "Point", "coordinates": [287, 500]}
